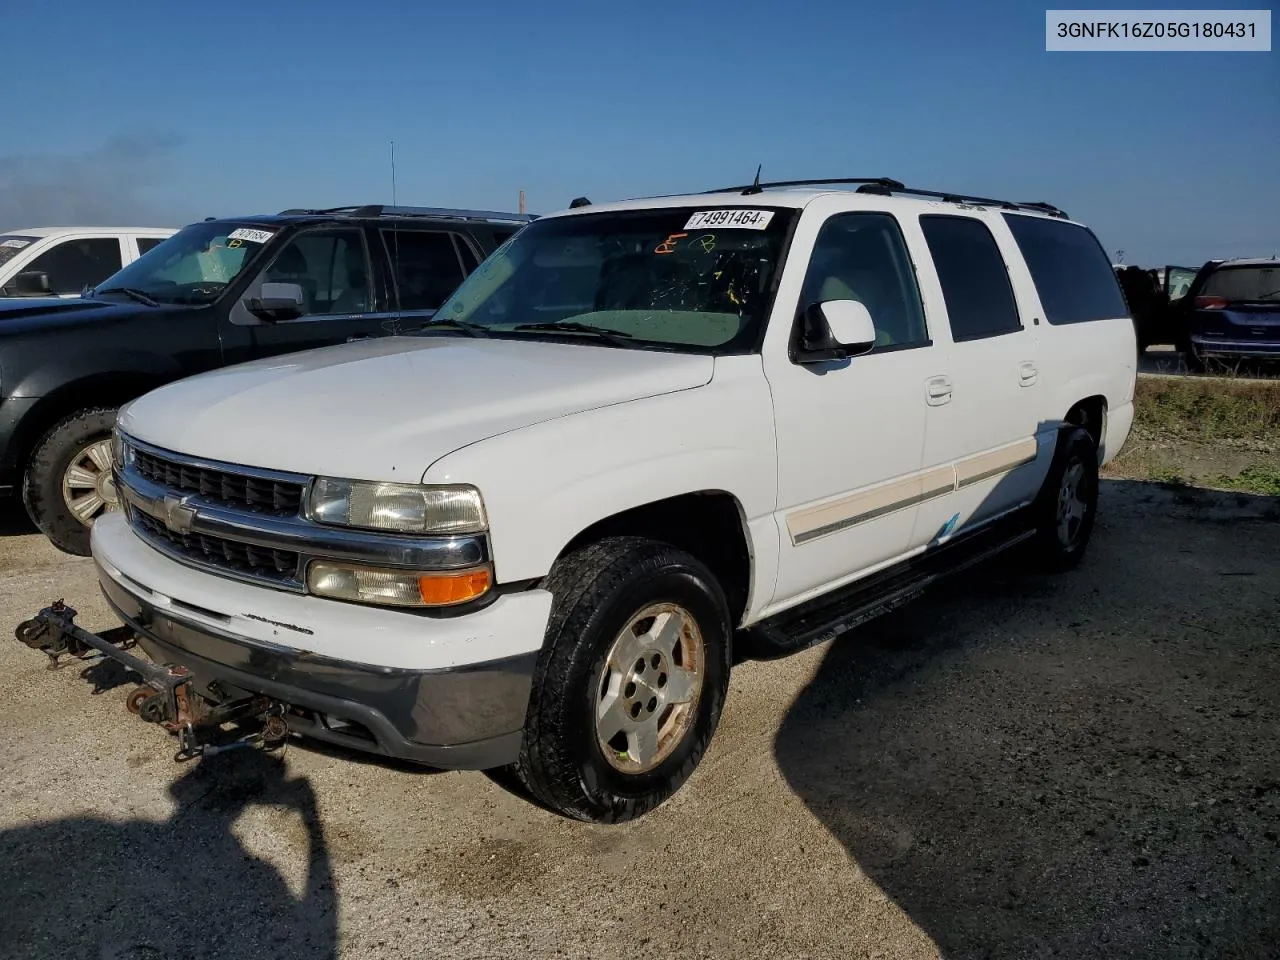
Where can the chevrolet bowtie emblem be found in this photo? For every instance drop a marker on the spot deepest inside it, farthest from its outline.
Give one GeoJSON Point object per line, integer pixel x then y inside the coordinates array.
{"type": "Point", "coordinates": [178, 516]}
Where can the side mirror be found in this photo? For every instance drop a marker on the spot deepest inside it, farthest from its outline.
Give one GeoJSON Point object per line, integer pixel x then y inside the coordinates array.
{"type": "Point", "coordinates": [32, 283]}
{"type": "Point", "coordinates": [277, 301]}
{"type": "Point", "coordinates": [834, 330]}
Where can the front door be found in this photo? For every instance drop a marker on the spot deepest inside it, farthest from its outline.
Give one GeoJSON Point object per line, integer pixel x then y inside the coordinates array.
{"type": "Point", "coordinates": [331, 265]}
{"type": "Point", "coordinates": [851, 433]}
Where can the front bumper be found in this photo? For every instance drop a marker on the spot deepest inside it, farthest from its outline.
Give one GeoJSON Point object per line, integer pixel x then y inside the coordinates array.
{"type": "Point", "coordinates": [1223, 347]}
{"type": "Point", "coordinates": [449, 692]}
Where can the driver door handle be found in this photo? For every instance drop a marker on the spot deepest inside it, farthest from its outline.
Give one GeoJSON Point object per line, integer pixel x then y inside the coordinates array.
{"type": "Point", "coordinates": [359, 336]}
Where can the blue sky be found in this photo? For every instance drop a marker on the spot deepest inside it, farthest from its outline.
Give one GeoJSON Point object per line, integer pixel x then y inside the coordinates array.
{"type": "Point", "coordinates": [163, 112]}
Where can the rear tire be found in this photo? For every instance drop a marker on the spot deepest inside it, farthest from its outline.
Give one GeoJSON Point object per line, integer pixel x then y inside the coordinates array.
{"type": "Point", "coordinates": [1067, 506]}
{"type": "Point", "coordinates": [630, 683]}
{"type": "Point", "coordinates": [67, 484]}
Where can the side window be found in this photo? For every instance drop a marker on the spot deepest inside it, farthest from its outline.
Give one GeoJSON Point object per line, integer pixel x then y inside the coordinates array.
{"type": "Point", "coordinates": [75, 264]}
{"type": "Point", "coordinates": [330, 266]}
{"type": "Point", "coordinates": [863, 257]}
{"type": "Point", "coordinates": [975, 282]}
{"type": "Point", "coordinates": [1071, 271]}
{"type": "Point", "coordinates": [425, 265]}
{"type": "Point", "coordinates": [148, 243]}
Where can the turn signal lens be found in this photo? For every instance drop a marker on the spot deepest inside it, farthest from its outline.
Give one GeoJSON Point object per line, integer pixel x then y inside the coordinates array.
{"type": "Point", "coordinates": [446, 589]}
{"type": "Point", "coordinates": [396, 588]}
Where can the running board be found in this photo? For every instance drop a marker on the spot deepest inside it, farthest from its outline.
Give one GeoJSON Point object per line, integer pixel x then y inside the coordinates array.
{"type": "Point", "coordinates": [828, 616]}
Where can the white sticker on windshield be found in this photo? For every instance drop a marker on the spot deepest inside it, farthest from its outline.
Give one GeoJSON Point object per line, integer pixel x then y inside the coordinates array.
{"type": "Point", "coordinates": [14, 243]}
{"type": "Point", "coordinates": [742, 219]}
{"type": "Point", "coordinates": [252, 236]}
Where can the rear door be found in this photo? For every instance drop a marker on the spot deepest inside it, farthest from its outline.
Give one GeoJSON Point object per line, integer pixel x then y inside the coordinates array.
{"type": "Point", "coordinates": [426, 266]}
{"type": "Point", "coordinates": [983, 409]}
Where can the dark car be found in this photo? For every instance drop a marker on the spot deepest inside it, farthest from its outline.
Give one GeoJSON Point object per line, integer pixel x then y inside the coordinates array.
{"type": "Point", "coordinates": [1231, 313]}
{"type": "Point", "coordinates": [216, 293]}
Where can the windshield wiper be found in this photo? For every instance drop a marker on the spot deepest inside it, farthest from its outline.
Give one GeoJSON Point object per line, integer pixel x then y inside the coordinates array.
{"type": "Point", "coordinates": [472, 329]}
{"type": "Point", "coordinates": [618, 338]}
{"type": "Point", "coordinates": [132, 293]}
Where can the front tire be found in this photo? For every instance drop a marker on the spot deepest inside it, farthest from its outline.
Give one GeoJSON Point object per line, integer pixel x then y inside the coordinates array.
{"type": "Point", "coordinates": [630, 683]}
{"type": "Point", "coordinates": [1068, 502]}
{"type": "Point", "coordinates": [68, 482]}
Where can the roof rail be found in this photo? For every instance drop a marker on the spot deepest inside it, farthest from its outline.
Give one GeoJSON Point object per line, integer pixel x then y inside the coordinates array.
{"type": "Point", "coordinates": [884, 186]}
{"type": "Point", "coordinates": [749, 188]}
{"type": "Point", "coordinates": [375, 210]}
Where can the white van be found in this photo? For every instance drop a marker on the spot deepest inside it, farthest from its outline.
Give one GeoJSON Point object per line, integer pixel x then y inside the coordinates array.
{"type": "Point", "coordinates": [62, 261]}
{"type": "Point", "coordinates": [640, 435]}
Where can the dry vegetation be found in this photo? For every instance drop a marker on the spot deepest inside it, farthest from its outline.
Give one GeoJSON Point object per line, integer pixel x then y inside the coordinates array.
{"type": "Point", "coordinates": [1206, 432]}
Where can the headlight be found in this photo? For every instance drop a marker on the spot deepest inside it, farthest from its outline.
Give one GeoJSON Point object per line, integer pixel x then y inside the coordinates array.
{"type": "Point", "coordinates": [121, 449]}
{"type": "Point", "coordinates": [396, 588]}
{"type": "Point", "coordinates": [397, 507]}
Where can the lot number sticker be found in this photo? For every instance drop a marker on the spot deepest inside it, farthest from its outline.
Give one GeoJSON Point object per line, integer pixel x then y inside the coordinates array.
{"type": "Point", "coordinates": [722, 219]}
{"type": "Point", "coordinates": [252, 236]}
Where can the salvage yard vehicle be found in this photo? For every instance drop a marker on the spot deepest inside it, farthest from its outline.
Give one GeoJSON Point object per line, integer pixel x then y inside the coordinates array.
{"type": "Point", "coordinates": [218, 292]}
{"type": "Point", "coordinates": [644, 440]}
{"type": "Point", "coordinates": [63, 261]}
{"type": "Point", "coordinates": [1231, 313]}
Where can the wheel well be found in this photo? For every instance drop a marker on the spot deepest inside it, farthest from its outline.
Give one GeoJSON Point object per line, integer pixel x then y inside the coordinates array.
{"type": "Point", "coordinates": [56, 406]}
{"type": "Point", "coordinates": [1089, 413]}
{"type": "Point", "coordinates": [708, 525]}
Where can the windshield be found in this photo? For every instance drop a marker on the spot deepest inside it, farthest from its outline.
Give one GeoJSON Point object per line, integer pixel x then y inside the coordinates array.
{"type": "Point", "coordinates": [193, 266]}
{"type": "Point", "coordinates": [1244, 283]}
{"type": "Point", "coordinates": [11, 245]}
{"type": "Point", "coordinates": [674, 278]}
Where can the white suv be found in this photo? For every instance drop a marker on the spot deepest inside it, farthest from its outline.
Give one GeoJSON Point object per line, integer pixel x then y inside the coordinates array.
{"type": "Point", "coordinates": [62, 261]}
{"type": "Point", "coordinates": [640, 435]}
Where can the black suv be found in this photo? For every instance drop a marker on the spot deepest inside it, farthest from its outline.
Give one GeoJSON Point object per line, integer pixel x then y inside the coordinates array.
{"type": "Point", "coordinates": [216, 293]}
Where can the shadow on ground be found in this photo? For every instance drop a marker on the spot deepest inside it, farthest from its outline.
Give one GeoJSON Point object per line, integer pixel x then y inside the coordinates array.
{"type": "Point", "coordinates": [1078, 766]}
{"type": "Point", "coordinates": [14, 521]}
{"type": "Point", "coordinates": [185, 887]}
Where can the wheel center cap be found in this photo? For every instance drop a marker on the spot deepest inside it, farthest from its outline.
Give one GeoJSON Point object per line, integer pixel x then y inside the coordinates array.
{"type": "Point", "coordinates": [107, 488]}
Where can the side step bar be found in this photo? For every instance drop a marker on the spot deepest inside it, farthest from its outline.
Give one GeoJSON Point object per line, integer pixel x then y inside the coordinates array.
{"type": "Point", "coordinates": [826, 617]}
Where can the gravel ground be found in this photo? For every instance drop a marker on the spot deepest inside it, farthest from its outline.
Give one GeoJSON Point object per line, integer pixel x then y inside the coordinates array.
{"type": "Point", "coordinates": [1016, 766]}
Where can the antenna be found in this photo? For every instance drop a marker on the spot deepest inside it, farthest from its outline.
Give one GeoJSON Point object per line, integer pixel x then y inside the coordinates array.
{"type": "Point", "coordinates": [521, 201]}
{"type": "Point", "coordinates": [755, 185]}
{"type": "Point", "coordinates": [393, 173]}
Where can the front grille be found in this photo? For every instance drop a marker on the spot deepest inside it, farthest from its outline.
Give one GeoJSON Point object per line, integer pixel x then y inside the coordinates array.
{"type": "Point", "coordinates": [279, 566]}
{"type": "Point", "coordinates": [258, 494]}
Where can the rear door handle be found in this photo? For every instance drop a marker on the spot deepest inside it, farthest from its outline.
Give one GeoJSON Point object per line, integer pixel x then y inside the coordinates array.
{"type": "Point", "coordinates": [1027, 374]}
{"type": "Point", "coordinates": [938, 390]}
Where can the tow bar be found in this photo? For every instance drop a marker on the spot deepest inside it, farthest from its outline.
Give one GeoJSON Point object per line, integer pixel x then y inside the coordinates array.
{"type": "Point", "coordinates": [166, 696]}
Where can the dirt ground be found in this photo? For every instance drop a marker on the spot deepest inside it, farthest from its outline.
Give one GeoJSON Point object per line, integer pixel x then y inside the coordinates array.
{"type": "Point", "coordinates": [1017, 766]}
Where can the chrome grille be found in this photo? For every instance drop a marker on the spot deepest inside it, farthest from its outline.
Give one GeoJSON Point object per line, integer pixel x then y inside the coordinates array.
{"type": "Point", "coordinates": [258, 494]}
{"type": "Point", "coordinates": [262, 563]}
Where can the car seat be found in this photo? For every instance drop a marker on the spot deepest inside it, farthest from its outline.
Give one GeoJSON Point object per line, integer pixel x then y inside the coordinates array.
{"type": "Point", "coordinates": [355, 298]}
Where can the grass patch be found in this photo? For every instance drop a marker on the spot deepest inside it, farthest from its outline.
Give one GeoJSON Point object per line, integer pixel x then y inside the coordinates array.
{"type": "Point", "coordinates": [1201, 432]}
{"type": "Point", "coordinates": [1253, 480]}
{"type": "Point", "coordinates": [1208, 410]}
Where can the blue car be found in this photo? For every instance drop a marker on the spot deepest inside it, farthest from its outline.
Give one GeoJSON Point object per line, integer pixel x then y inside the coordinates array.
{"type": "Point", "coordinates": [1232, 313]}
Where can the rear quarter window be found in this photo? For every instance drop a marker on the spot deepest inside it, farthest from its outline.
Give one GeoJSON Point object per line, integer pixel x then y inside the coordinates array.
{"type": "Point", "coordinates": [1072, 274]}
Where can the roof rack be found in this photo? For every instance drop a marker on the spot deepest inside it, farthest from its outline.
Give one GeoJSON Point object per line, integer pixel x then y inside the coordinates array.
{"type": "Point", "coordinates": [884, 186]}
{"type": "Point", "coordinates": [375, 210]}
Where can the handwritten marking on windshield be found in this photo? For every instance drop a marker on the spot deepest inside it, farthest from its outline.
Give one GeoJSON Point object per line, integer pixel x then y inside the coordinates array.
{"type": "Point", "coordinates": [669, 245]}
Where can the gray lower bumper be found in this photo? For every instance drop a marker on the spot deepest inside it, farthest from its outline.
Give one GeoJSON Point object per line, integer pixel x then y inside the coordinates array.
{"type": "Point", "coordinates": [467, 718]}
